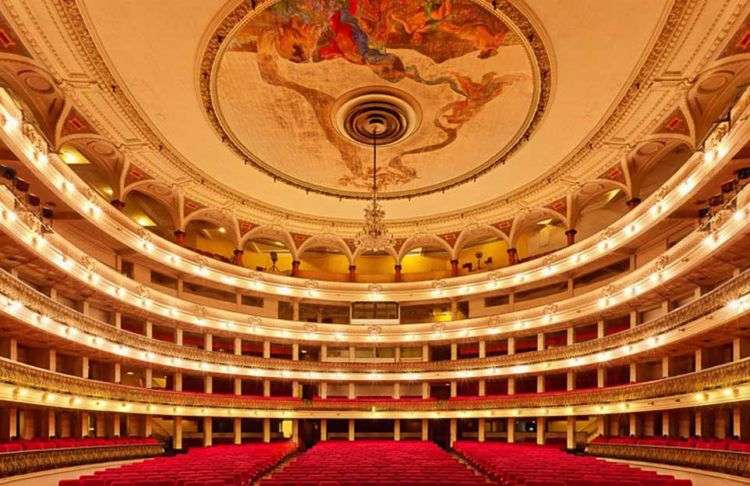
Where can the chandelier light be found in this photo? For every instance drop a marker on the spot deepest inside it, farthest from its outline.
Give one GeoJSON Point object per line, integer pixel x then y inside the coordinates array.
{"type": "Point", "coordinates": [374, 235]}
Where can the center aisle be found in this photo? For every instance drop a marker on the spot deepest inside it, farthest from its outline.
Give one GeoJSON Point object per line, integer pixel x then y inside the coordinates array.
{"type": "Point", "coordinates": [375, 463]}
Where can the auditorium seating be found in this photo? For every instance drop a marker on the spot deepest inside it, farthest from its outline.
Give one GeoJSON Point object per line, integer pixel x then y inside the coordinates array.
{"type": "Point", "coordinates": [374, 463]}
{"type": "Point", "coordinates": [71, 443]}
{"type": "Point", "coordinates": [222, 465]}
{"type": "Point", "coordinates": [533, 465]}
{"type": "Point", "coordinates": [688, 442]}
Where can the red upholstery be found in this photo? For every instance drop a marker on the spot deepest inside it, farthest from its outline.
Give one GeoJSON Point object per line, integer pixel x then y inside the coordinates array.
{"type": "Point", "coordinates": [533, 465]}
{"type": "Point", "coordinates": [690, 442]}
{"type": "Point", "coordinates": [374, 463]}
{"type": "Point", "coordinates": [223, 465]}
{"type": "Point", "coordinates": [70, 443]}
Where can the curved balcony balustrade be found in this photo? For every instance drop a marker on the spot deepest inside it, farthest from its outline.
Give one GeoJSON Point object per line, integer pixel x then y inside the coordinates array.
{"type": "Point", "coordinates": [28, 146]}
{"type": "Point", "coordinates": [722, 384]}
{"type": "Point", "coordinates": [678, 260]}
{"type": "Point", "coordinates": [711, 311]}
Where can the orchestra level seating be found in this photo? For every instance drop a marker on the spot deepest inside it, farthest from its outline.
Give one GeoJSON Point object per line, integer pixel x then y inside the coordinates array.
{"type": "Point", "coordinates": [221, 465]}
{"type": "Point", "coordinates": [375, 463]}
{"type": "Point", "coordinates": [533, 465]}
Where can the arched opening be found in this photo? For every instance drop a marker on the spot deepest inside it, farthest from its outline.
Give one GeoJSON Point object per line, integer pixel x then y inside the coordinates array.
{"type": "Point", "coordinates": [210, 239]}
{"type": "Point", "coordinates": [267, 254]}
{"type": "Point", "coordinates": [376, 266]}
{"type": "Point", "coordinates": [150, 213]}
{"type": "Point", "coordinates": [324, 262]}
{"type": "Point", "coordinates": [430, 261]}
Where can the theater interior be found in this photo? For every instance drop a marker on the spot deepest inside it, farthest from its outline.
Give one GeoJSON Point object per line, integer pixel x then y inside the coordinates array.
{"type": "Point", "coordinates": [374, 242]}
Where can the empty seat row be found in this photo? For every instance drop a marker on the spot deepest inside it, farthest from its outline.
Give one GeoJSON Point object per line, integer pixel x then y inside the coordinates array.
{"type": "Point", "coordinates": [533, 465]}
{"type": "Point", "coordinates": [222, 465]}
{"type": "Point", "coordinates": [374, 463]}
{"type": "Point", "coordinates": [688, 442]}
{"type": "Point", "coordinates": [71, 443]}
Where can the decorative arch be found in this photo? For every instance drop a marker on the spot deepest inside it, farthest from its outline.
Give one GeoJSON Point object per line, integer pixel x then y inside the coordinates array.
{"type": "Point", "coordinates": [271, 232]}
{"type": "Point", "coordinates": [421, 240]}
{"type": "Point", "coordinates": [464, 238]}
{"type": "Point", "coordinates": [326, 240]}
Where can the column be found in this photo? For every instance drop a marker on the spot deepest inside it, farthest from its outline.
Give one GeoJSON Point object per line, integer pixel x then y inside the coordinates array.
{"type": "Point", "coordinates": [177, 433]}
{"type": "Point", "coordinates": [570, 433]}
{"type": "Point", "coordinates": [698, 359]}
{"type": "Point", "coordinates": [9, 348]}
{"type": "Point", "coordinates": [665, 423]}
{"type": "Point", "coordinates": [295, 268]}
{"type": "Point", "coordinates": [425, 429]}
{"type": "Point", "coordinates": [454, 267]}
{"type": "Point", "coordinates": [665, 367]}
{"type": "Point", "coordinates": [396, 391]}
{"type": "Point", "coordinates": [480, 429]}
{"type": "Point", "coordinates": [540, 435]}
{"type": "Point", "coordinates": [352, 273]}
{"type": "Point", "coordinates": [633, 372]}
{"type": "Point", "coordinates": [398, 277]}
{"type": "Point", "coordinates": [323, 429]}
{"type": "Point", "coordinates": [570, 236]}
{"type": "Point", "coordinates": [83, 424]}
{"type": "Point", "coordinates": [352, 392]}
{"type": "Point", "coordinates": [49, 423]}
{"type": "Point", "coordinates": [237, 430]}
{"type": "Point", "coordinates": [698, 422]}
{"type": "Point", "coordinates": [454, 431]}
{"type": "Point", "coordinates": [397, 429]}
{"type": "Point", "coordinates": [600, 381]}
{"type": "Point", "coordinates": [207, 431]}
{"type": "Point", "coordinates": [511, 430]}
{"type": "Point", "coordinates": [208, 384]}
{"type": "Point", "coordinates": [177, 381]}
{"type": "Point", "coordinates": [149, 378]}
{"type": "Point", "coordinates": [266, 430]}
{"type": "Point", "coordinates": [540, 383]}
{"type": "Point", "coordinates": [512, 256]}
{"type": "Point", "coordinates": [350, 435]}
{"type": "Point", "coordinates": [632, 425]}
{"type": "Point", "coordinates": [100, 425]}
{"type": "Point", "coordinates": [295, 431]}
{"type": "Point", "coordinates": [295, 357]}
{"type": "Point", "coordinates": [323, 390]}
{"type": "Point", "coordinates": [425, 390]}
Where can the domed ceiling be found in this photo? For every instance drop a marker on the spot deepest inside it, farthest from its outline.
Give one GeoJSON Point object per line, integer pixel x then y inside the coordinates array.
{"type": "Point", "coordinates": [487, 111]}
{"type": "Point", "coordinates": [456, 83]}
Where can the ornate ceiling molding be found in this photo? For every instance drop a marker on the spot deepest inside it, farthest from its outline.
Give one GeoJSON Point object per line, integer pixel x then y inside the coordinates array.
{"type": "Point", "coordinates": [589, 158]}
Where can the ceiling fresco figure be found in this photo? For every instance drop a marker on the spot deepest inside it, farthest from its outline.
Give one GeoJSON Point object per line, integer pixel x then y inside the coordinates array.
{"type": "Point", "coordinates": [401, 42]}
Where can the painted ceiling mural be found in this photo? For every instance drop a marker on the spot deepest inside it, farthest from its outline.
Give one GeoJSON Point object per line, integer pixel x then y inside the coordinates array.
{"type": "Point", "coordinates": [453, 76]}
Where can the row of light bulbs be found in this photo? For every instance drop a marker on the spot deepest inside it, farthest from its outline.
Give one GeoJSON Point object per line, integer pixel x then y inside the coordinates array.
{"type": "Point", "coordinates": [82, 402]}
{"type": "Point", "coordinates": [116, 285]}
{"type": "Point", "coordinates": [18, 310]}
{"type": "Point", "coordinates": [633, 224]}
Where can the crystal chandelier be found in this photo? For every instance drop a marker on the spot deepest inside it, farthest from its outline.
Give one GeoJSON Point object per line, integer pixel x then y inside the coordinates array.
{"type": "Point", "coordinates": [374, 235]}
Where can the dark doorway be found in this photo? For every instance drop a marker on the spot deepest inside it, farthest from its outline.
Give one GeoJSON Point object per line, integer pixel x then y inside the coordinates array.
{"type": "Point", "coordinates": [309, 431]}
{"type": "Point", "coordinates": [440, 432]}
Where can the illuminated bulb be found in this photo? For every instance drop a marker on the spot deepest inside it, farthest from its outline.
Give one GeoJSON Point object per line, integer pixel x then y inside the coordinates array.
{"type": "Point", "coordinates": [686, 186]}
{"type": "Point", "coordinates": [657, 209]}
{"type": "Point", "coordinates": [712, 240]}
{"type": "Point", "coordinates": [201, 270]}
{"type": "Point", "coordinates": [38, 241]}
{"type": "Point", "coordinates": [736, 304]}
{"type": "Point", "coordinates": [652, 341]}
{"type": "Point", "coordinates": [41, 159]}
{"type": "Point", "coordinates": [739, 215]}
{"type": "Point", "coordinates": [14, 306]}
{"type": "Point", "coordinates": [603, 245]}
{"type": "Point", "coordinates": [709, 156]}
{"type": "Point", "coordinates": [603, 302]}
{"type": "Point", "coordinates": [655, 277]}
{"type": "Point", "coordinates": [67, 186]}
{"type": "Point", "coordinates": [631, 229]}
{"type": "Point", "coordinates": [11, 123]}
{"type": "Point", "coordinates": [174, 259]}
{"type": "Point", "coordinates": [147, 246]}
{"type": "Point", "coordinates": [9, 216]}
{"type": "Point", "coordinates": [521, 277]}
{"type": "Point", "coordinates": [548, 270]}
{"type": "Point", "coordinates": [229, 280]}
{"type": "Point", "coordinates": [121, 292]}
